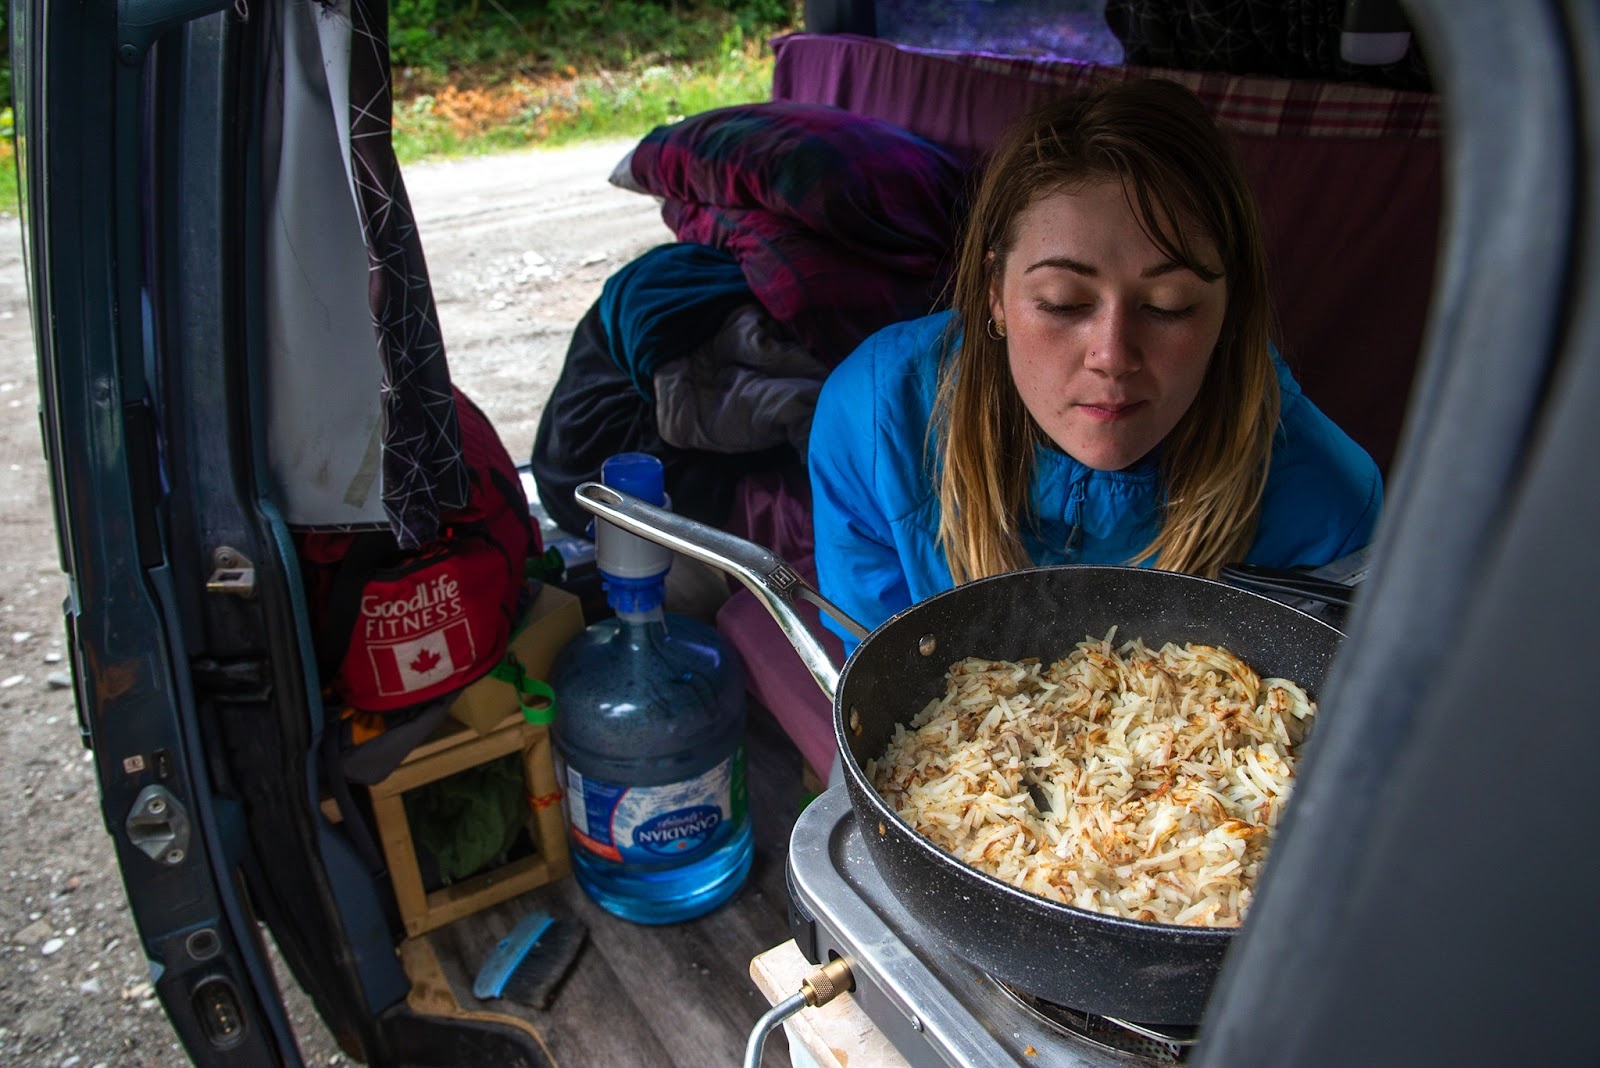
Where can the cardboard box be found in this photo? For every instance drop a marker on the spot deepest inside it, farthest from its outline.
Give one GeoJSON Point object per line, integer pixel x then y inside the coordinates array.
{"type": "Point", "coordinates": [555, 618]}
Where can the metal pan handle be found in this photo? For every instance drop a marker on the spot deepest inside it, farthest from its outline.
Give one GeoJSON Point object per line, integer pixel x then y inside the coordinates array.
{"type": "Point", "coordinates": [762, 572]}
{"type": "Point", "coordinates": [1289, 583]}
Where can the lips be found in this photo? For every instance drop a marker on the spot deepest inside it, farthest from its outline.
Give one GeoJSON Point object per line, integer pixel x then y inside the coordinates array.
{"type": "Point", "coordinates": [1111, 411]}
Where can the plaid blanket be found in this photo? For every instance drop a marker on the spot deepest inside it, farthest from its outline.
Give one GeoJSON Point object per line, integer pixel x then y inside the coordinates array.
{"type": "Point", "coordinates": [841, 224]}
{"type": "Point", "coordinates": [1265, 107]}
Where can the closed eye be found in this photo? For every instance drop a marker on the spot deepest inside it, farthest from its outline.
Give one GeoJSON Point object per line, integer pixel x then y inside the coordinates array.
{"type": "Point", "coordinates": [1170, 313]}
{"type": "Point", "coordinates": [1062, 309]}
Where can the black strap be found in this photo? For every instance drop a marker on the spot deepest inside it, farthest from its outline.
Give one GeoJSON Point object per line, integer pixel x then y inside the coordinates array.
{"type": "Point", "coordinates": [368, 552]}
{"type": "Point", "coordinates": [517, 500]}
{"type": "Point", "coordinates": [354, 821]}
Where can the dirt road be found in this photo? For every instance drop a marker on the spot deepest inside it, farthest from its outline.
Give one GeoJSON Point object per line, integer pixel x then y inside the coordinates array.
{"type": "Point", "coordinates": [518, 247]}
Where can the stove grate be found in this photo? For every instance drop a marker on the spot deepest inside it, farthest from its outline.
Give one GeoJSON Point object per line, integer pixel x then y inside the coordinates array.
{"type": "Point", "coordinates": [1166, 1045]}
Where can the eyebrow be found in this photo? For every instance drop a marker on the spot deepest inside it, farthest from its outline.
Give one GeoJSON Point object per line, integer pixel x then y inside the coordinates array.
{"type": "Point", "coordinates": [1067, 263]}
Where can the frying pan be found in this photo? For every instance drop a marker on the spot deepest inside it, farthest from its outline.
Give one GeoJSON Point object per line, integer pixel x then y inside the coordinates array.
{"type": "Point", "coordinates": [1132, 970]}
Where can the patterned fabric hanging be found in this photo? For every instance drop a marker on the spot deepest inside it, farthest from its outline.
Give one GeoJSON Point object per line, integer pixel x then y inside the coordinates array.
{"type": "Point", "coordinates": [1274, 38]}
{"type": "Point", "coordinates": [423, 468]}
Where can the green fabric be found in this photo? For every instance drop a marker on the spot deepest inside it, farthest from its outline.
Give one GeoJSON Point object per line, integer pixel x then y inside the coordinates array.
{"type": "Point", "coordinates": [470, 818]}
{"type": "Point", "coordinates": [550, 567]}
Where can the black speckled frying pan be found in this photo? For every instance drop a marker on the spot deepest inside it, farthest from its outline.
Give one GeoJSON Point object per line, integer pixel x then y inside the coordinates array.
{"type": "Point", "coordinates": [1128, 969]}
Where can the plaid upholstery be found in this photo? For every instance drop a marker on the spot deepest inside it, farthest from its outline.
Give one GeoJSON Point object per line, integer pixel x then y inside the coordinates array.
{"type": "Point", "coordinates": [1264, 107]}
{"type": "Point", "coordinates": [917, 88]}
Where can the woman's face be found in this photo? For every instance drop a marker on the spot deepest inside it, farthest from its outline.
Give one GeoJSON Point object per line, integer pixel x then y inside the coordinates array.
{"type": "Point", "coordinates": [1107, 338]}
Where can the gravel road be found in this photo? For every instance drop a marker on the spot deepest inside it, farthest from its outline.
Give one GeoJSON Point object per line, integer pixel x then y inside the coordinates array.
{"type": "Point", "coordinates": [518, 247]}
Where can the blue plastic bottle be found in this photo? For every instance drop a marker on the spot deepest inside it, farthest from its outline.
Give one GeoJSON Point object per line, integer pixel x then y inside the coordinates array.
{"type": "Point", "coordinates": [649, 733]}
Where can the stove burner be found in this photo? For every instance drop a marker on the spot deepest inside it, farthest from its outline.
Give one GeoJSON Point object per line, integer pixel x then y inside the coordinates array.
{"type": "Point", "coordinates": [1165, 1045]}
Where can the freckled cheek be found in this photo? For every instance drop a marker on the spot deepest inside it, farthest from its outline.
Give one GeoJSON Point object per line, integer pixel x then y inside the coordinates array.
{"type": "Point", "coordinates": [1181, 361]}
{"type": "Point", "coordinates": [1041, 378]}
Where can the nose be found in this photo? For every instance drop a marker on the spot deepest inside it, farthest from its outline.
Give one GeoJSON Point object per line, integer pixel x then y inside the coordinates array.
{"type": "Point", "coordinates": [1112, 348]}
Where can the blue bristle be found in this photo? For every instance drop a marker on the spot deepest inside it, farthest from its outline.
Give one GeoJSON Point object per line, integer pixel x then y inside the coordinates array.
{"type": "Point", "coordinates": [528, 963]}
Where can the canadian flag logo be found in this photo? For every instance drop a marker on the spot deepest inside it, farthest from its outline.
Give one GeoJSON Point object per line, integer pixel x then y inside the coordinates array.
{"type": "Point", "coordinates": [409, 666]}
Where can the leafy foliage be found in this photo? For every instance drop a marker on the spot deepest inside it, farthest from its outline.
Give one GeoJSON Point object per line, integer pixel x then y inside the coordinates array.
{"type": "Point", "coordinates": [432, 42]}
{"type": "Point", "coordinates": [5, 58]}
{"type": "Point", "coordinates": [573, 69]}
{"type": "Point", "coordinates": [494, 40]}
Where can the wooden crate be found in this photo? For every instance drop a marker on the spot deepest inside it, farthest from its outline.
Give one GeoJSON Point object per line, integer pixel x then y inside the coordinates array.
{"type": "Point", "coordinates": [455, 748]}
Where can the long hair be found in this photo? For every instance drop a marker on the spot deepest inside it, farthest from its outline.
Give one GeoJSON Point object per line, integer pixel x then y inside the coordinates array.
{"type": "Point", "coordinates": [1182, 177]}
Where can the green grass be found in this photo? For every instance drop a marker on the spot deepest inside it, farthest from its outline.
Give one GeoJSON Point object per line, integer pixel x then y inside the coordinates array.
{"type": "Point", "coordinates": [661, 94]}
{"type": "Point", "coordinates": [9, 196]}
{"type": "Point", "coordinates": [9, 193]}
{"type": "Point", "coordinates": [474, 77]}
{"type": "Point", "coordinates": [564, 111]}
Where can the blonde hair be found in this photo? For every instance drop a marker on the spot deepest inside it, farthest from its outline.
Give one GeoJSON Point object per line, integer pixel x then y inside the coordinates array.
{"type": "Point", "coordinates": [1182, 176]}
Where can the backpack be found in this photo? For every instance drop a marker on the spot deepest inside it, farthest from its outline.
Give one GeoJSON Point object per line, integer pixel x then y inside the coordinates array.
{"type": "Point", "coordinates": [400, 633]}
{"type": "Point", "coordinates": [400, 630]}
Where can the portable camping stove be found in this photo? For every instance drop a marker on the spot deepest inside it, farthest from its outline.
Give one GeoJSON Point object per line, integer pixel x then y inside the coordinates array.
{"type": "Point", "coordinates": [933, 1006]}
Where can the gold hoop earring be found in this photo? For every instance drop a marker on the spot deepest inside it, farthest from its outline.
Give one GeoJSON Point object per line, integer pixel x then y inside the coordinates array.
{"type": "Point", "coordinates": [995, 333]}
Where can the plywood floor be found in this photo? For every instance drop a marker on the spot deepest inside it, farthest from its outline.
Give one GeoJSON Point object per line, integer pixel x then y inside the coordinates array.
{"type": "Point", "coordinates": [678, 996]}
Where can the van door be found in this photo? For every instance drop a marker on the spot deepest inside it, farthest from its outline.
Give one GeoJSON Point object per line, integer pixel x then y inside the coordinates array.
{"type": "Point", "coordinates": [138, 137]}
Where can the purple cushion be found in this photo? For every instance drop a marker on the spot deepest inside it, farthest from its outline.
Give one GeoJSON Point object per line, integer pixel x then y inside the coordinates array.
{"type": "Point", "coordinates": [777, 677]}
{"type": "Point", "coordinates": [774, 509]}
{"type": "Point", "coordinates": [842, 223]}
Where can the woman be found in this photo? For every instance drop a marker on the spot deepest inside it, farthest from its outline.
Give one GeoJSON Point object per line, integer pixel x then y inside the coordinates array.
{"type": "Point", "coordinates": [1103, 390]}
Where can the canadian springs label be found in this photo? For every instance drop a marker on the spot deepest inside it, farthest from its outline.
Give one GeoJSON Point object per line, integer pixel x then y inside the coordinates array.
{"type": "Point", "coordinates": [654, 823]}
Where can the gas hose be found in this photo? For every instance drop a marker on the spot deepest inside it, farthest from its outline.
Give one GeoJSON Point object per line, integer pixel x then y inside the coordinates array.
{"type": "Point", "coordinates": [816, 989]}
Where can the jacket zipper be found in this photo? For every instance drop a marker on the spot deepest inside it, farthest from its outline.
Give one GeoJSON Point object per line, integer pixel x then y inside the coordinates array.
{"type": "Point", "coordinates": [1075, 510]}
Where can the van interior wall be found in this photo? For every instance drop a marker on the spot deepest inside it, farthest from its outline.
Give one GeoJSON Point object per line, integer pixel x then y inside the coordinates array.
{"type": "Point", "coordinates": [1352, 230]}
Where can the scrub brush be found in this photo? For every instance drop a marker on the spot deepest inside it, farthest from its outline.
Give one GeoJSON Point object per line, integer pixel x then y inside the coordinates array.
{"type": "Point", "coordinates": [528, 964]}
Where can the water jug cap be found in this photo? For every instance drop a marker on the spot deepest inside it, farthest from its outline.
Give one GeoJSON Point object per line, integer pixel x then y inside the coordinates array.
{"type": "Point", "coordinates": [638, 474]}
{"type": "Point", "coordinates": [626, 561]}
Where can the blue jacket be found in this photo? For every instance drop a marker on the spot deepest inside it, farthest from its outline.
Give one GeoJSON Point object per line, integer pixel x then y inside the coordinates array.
{"type": "Point", "coordinates": [875, 504]}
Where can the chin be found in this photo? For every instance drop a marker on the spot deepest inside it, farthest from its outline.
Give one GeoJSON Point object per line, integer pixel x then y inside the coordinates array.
{"type": "Point", "coordinates": [1108, 448]}
{"type": "Point", "coordinates": [1106, 457]}
{"type": "Point", "coordinates": [1118, 463]}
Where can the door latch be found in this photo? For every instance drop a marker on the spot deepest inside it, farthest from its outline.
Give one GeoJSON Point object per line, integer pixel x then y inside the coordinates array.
{"type": "Point", "coordinates": [159, 825]}
{"type": "Point", "coordinates": [231, 573]}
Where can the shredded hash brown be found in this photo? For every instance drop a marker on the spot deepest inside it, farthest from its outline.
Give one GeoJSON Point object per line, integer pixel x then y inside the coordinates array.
{"type": "Point", "coordinates": [1141, 783]}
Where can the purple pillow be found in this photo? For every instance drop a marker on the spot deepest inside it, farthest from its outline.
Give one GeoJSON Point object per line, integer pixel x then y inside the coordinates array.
{"type": "Point", "coordinates": [842, 224]}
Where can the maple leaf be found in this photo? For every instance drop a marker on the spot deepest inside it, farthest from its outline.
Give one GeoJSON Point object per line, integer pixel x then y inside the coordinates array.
{"type": "Point", "coordinates": [425, 662]}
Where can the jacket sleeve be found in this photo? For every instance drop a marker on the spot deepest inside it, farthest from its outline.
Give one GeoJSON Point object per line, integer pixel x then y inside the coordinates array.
{"type": "Point", "coordinates": [858, 565]}
{"type": "Point", "coordinates": [1324, 492]}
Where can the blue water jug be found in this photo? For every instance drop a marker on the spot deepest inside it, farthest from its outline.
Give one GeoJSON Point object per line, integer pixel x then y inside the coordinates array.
{"type": "Point", "coordinates": [649, 737]}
